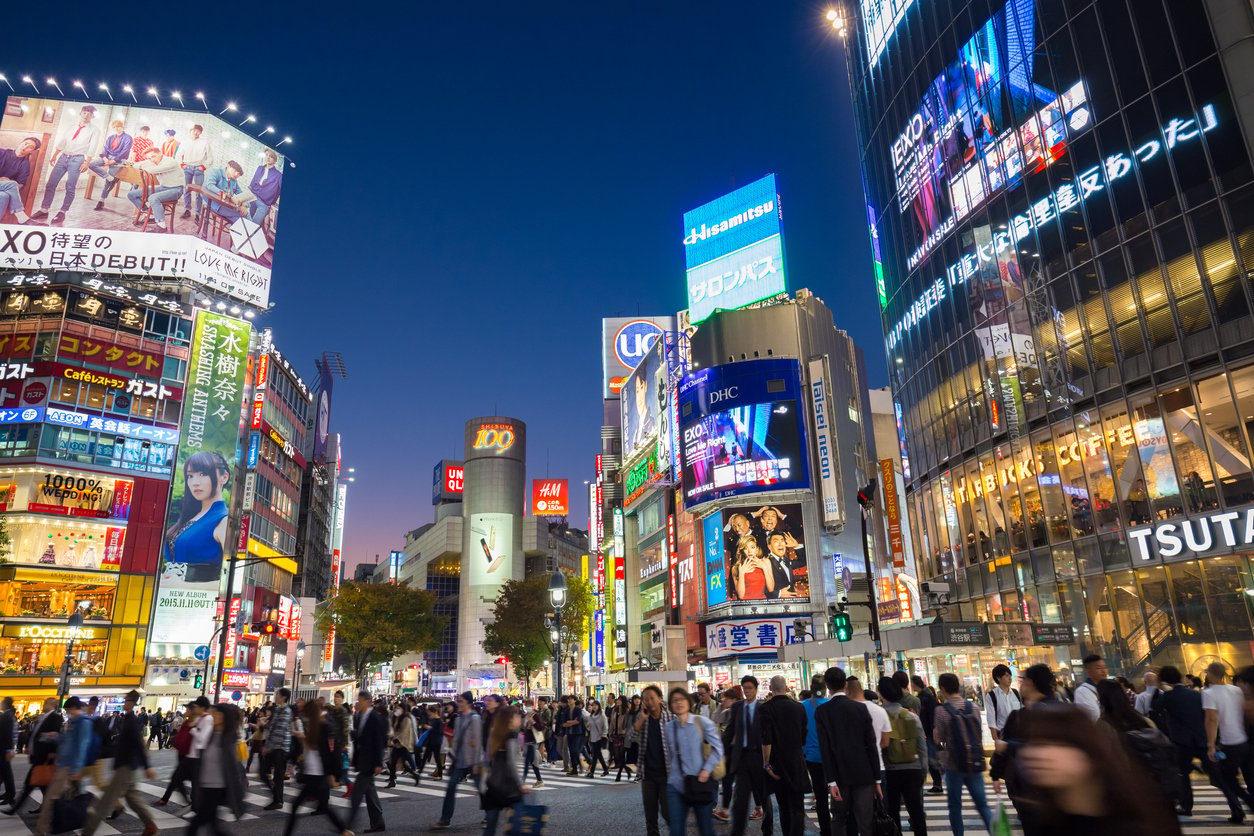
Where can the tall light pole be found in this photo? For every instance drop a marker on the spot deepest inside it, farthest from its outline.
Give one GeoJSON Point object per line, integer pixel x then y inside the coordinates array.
{"type": "Point", "coordinates": [557, 597]}
{"type": "Point", "coordinates": [300, 655]}
{"type": "Point", "coordinates": [866, 499]}
{"type": "Point", "coordinates": [75, 624]}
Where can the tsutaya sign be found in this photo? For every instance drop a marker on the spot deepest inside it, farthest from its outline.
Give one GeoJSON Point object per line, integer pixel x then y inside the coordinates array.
{"type": "Point", "coordinates": [1231, 529]}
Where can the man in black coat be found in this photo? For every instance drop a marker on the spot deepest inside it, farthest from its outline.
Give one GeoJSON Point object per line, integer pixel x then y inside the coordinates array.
{"type": "Point", "coordinates": [742, 741]}
{"type": "Point", "coordinates": [42, 747]}
{"type": "Point", "coordinates": [851, 759]}
{"type": "Point", "coordinates": [8, 750]}
{"type": "Point", "coordinates": [783, 751]}
{"type": "Point", "coordinates": [1180, 710]}
{"type": "Point", "coordinates": [370, 745]}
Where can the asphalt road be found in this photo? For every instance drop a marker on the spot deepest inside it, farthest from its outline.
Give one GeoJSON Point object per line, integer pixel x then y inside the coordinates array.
{"type": "Point", "coordinates": [576, 807]}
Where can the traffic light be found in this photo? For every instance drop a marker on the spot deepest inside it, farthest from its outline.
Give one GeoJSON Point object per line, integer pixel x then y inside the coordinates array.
{"type": "Point", "coordinates": [200, 680]}
{"type": "Point", "coordinates": [263, 628]}
{"type": "Point", "coordinates": [502, 660]}
{"type": "Point", "coordinates": [842, 628]}
{"type": "Point", "coordinates": [866, 495]}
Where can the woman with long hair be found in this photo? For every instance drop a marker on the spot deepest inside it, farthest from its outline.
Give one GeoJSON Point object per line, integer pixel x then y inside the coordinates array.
{"type": "Point", "coordinates": [631, 745]}
{"type": "Point", "coordinates": [220, 778]}
{"type": "Point", "coordinates": [686, 736]}
{"type": "Point", "coordinates": [1084, 783]}
{"type": "Point", "coordinates": [502, 788]}
{"type": "Point", "coordinates": [1116, 711]}
{"type": "Point", "coordinates": [321, 770]}
{"type": "Point", "coordinates": [598, 732]}
{"type": "Point", "coordinates": [404, 738]}
{"type": "Point", "coordinates": [533, 736]}
{"type": "Point", "coordinates": [618, 735]}
{"type": "Point", "coordinates": [194, 545]}
{"type": "Point", "coordinates": [750, 571]}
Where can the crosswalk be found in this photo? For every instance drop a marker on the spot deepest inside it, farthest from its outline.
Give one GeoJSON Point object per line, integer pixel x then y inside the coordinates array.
{"type": "Point", "coordinates": [258, 795]}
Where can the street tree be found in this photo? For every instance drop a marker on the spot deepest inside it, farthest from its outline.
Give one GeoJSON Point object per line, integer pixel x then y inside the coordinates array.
{"type": "Point", "coordinates": [519, 630]}
{"type": "Point", "coordinates": [375, 622]}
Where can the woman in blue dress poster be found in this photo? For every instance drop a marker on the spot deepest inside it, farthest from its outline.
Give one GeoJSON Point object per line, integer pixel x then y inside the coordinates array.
{"type": "Point", "coordinates": [194, 545]}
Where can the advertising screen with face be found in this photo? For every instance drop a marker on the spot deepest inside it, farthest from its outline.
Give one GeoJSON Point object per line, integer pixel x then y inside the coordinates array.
{"type": "Point", "coordinates": [196, 526]}
{"type": "Point", "coordinates": [758, 554]}
{"type": "Point", "coordinates": [643, 406]}
{"type": "Point", "coordinates": [83, 171]}
{"type": "Point", "coordinates": [741, 430]}
{"type": "Point", "coordinates": [491, 549]}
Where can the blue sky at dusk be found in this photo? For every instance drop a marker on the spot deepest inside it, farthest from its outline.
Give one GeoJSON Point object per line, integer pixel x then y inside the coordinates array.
{"type": "Point", "coordinates": [478, 184]}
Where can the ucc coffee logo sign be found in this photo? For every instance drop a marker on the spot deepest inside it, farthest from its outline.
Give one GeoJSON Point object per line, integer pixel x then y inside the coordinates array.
{"type": "Point", "coordinates": [494, 438]}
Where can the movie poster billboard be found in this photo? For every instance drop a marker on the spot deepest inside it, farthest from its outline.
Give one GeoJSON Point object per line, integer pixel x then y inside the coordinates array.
{"type": "Point", "coordinates": [196, 526]}
{"type": "Point", "coordinates": [491, 549]}
{"type": "Point", "coordinates": [84, 168]}
{"type": "Point", "coordinates": [644, 403]}
{"type": "Point", "coordinates": [756, 553]}
{"type": "Point", "coordinates": [741, 430]}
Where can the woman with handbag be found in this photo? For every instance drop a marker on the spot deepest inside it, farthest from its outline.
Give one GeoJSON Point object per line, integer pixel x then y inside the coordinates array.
{"type": "Point", "coordinates": [631, 742]}
{"type": "Point", "coordinates": [321, 770]}
{"type": "Point", "coordinates": [694, 750]}
{"type": "Point", "coordinates": [501, 786]}
{"type": "Point", "coordinates": [403, 741]}
{"type": "Point", "coordinates": [220, 780]}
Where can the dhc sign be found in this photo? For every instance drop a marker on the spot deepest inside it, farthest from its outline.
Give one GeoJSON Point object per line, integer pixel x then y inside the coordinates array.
{"type": "Point", "coordinates": [1231, 529]}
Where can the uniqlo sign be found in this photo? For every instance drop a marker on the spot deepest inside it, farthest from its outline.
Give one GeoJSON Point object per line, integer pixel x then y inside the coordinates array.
{"type": "Point", "coordinates": [550, 497]}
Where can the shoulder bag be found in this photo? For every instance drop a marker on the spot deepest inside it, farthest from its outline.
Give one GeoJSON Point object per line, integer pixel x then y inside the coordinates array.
{"type": "Point", "coordinates": [697, 793]}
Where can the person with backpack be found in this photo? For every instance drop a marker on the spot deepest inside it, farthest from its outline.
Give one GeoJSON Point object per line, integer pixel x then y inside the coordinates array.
{"type": "Point", "coordinates": [927, 715]}
{"type": "Point", "coordinates": [1146, 744]}
{"type": "Point", "coordinates": [185, 769]}
{"type": "Point", "coordinates": [1000, 701]}
{"type": "Point", "coordinates": [1086, 693]}
{"type": "Point", "coordinates": [72, 749]}
{"type": "Point", "coordinates": [130, 757]}
{"type": "Point", "coordinates": [104, 731]}
{"type": "Point", "coordinates": [905, 760]}
{"type": "Point", "coordinates": [1224, 707]}
{"type": "Point", "coordinates": [813, 755]}
{"type": "Point", "coordinates": [957, 732]}
{"type": "Point", "coordinates": [574, 725]}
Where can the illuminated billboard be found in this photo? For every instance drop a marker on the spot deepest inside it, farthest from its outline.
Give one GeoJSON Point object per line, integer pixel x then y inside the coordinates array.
{"type": "Point", "coordinates": [550, 497]}
{"type": "Point", "coordinates": [197, 524]}
{"type": "Point", "coordinates": [85, 169]}
{"type": "Point", "coordinates": [447, 481]}
{"type": "Point", "coordinates": [741, 430]}
{"type": "Point", "coordinates": [968, 138]}
{"type": "Point", "coordinates": [644, 402]}
{"type": "Point", "coordinates": [879, 21]}
{"type": "Point", "coordinates": [734, 250]}
{"type": "Point", "coordinates": [624, 342]}
{"type": "Point", "coordinates": [755, 553]}
{"type": "Point", "coordinates": [492, 549]}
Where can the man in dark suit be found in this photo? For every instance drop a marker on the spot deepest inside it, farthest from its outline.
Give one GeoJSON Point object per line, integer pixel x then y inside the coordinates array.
{"type": "Point", "coordinates": [370, 745]}
{"type": "Point", "coordinates": [742, 740]}
{"type": "Point", "coordinates": [42, 746]}
{"type": "Point", "coordinates": [783, 751]}
{"type": "Point", "coordinates": [851, 758]}
{"type": "Point", "coordinates": [8, 749]}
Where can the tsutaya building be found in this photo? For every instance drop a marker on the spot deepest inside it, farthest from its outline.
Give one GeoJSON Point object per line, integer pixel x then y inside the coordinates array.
{"type": "Point", "coordinates": [1063, 222]}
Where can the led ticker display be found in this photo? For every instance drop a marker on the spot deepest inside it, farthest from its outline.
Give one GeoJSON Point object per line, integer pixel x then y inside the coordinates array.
{"type": "Point", "coordinates": [733, 250]}
{"type": "Point", "coordinates": [741, 430]}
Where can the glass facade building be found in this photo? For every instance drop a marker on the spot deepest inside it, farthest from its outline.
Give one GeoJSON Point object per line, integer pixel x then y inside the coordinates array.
{"type": "Point", "coordinates": [1061, 204]}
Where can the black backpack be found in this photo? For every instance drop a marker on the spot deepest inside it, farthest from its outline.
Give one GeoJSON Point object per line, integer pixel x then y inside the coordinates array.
{"type": "Point", "coordinates": [965, 743]}
{"type": "Point", "coordinates": [1156, 751]}
{"type": "Point", "coordinates": [1158, 713]}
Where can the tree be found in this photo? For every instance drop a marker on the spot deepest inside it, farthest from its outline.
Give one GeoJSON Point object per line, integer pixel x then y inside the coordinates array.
{"type": "Point", "coordinates": [518, 630]}
{"type": "Point", "coordinates": [378, 621]}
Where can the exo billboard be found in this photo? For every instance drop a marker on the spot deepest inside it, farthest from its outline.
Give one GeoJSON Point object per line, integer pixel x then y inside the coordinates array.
{"type": "Point", "coordinates": [734, 251]}
{"type": "Point", "coordinates": [741, 430]}
{"type": "Point", "coordinates": [81, 171]}
{"type": "Point", "coordinates": [755, 554]}
{"type": "Point", "coordinates": [624, 342]}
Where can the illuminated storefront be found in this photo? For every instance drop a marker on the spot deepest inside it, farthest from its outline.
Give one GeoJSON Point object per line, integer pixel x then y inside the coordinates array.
{"type": "Point", "coordinates": [1065, 223]}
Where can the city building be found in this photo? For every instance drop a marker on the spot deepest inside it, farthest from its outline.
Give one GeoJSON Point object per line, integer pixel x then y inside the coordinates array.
{"type": "Point", "coordinates": [1062, 223]}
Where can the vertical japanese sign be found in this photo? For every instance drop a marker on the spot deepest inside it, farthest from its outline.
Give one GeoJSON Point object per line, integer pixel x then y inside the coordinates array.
{"type": "Point", "coordinates": [828, 461]}
{"type": "Point", "coordinates": [598, 652]}
{"type": "Point", "coordinates": [232, 621]}
{"type": "Point", "coordinates": [892, 513]}
{"type": "Point", "coordinates": [196, 522]}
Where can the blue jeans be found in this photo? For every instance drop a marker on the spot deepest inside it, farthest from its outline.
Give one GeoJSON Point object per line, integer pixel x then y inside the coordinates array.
{"type": "Point", "coordinates": [10, 197]}
{"type": "Point", "coordinates": [455, 776]}
{"type": "Point", "coordinates": [257, 211]}
{"type": "Point", "coordinates": [679, 813]}
{"type": "Point", "coordinates": [166, 194]}
{"type": "Point", "coordinates": [974, 782]}
{"type": "Point", "coordinates": [106, 172]}
{"type": "Point", "coordinates": [67, 167]}
{"type": "Point", "coordinates": [494, 816]}
{"type": "Point", "coordinates": [193, 177]}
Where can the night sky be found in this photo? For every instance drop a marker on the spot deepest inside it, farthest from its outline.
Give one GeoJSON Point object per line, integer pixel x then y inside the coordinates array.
{"type": "Point", "coordinates": [479, 183]}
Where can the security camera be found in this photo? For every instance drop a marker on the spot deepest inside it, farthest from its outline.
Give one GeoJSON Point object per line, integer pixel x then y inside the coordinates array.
{"type": "Point", "coordinates": [934, 587]}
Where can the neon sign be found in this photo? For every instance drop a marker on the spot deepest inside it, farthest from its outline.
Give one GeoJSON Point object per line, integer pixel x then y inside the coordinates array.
{"type": "Point", "coordinates": [495, 437]}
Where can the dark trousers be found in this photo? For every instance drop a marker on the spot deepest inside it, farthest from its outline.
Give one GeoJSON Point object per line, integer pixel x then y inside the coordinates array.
{"type": "Point", "coordinates": [792, 809]}
{"type": "Point", "coordinates": [906, 786]}
{"type": "Point", "coordinates": [653, 791]}
{"type": "Point", "coordinates": [208, 799]}
{"type": "Point", "coordinates": [574, 748]}
{"type": "Point", "coordinates": [6, 778]}
{"type": "Point", "coordinates": [315, 788]}
{"type": "Point", "coordinates": [596, 753]}
{"type": "Point", "coordinates": [278, 769]}
{"type": "Point", "coordinates": [402, 756]}
{"type": "Point", "coordinates": [821, 797]}
{"type": "Point", "coordinates": [455, 775]}
{"type": "Point", "coordinates": [184, 771]}
{"type": "Point", "coordinates": [855, 807]}
{"type": "Point", "coordinates": [532, 761]}
{"type": "Point", "coordinates": [364, 787]}
{"type": "Point", "coordinates": [933, 763]}
{"type": "Point", "coordinates": [750, 780]}
{"type": "Point", "coordinates": [729, 783]}
{"type": "Point", "coordinates": [1224, 776]}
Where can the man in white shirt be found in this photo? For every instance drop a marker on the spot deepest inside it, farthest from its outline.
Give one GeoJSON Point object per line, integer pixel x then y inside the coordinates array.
{"type": "Point", "coordinates": [195, 157]}
{"type": "Point", "coordinates": [1000, 701]}
{"type": "Point", "coordinates": [880, 724]}
{"type": "Point", "coordinates": [1145, 700]}
{"type": "Point", "coordinates": [1086, 694]}
{"type": "Point", "coordinates": [1225, 734]}
{"type": "Point", "coordinates": [168, 188]}
{"type": "Point", "coordinates": [70, 155]}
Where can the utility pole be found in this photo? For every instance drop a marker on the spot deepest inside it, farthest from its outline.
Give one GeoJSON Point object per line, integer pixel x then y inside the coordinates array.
{"type": "Point", "coordinates": [866, 497]}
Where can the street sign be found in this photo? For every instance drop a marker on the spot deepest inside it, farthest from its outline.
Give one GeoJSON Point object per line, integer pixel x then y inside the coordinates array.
{"type": "Point", "coordinates": [202, 653]}
{"type": "Point", "coordinates": [185, 674]}
{"type": "Point", "coordinates": [237, 695]}
{"type": "Point", "coordinates": [1052, 634]}
{"type": "Point", "coordinates": [959, 633]}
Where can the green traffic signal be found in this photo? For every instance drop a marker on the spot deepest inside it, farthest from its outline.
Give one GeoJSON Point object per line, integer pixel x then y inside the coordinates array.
{"type": "Point", "coordinates": [200, 680]}
{"type": "Point", "coordinates": [842, 628]}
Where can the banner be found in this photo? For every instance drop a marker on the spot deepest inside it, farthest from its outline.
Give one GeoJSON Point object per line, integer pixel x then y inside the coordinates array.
{"type": "Point", "coordinates": [735, 636]}
{"type": "Point", "coordinates": [828, 461]}
{"type": "Point", "coordinates": [892, 513]}
{"type": "Point", "coordinates": [196, 525]}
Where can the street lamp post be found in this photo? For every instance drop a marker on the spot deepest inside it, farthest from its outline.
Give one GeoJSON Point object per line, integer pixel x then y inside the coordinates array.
{"type": "Point", "coordinates": [75, 624]}
{"type": "Point", "coordinates": [557, 597]}
{"type": "Point", "coordinates": [300, 655]}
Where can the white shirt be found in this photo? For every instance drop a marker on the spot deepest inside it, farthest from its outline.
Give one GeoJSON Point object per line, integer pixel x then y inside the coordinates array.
{"type": "Point", "coordinates": [997, 706]}
{"type": "Point", "coordinates": [201, 732]}
{"type": "Point", "coordinates": [166, 171]}
{"type": "Point", "coordinates": [1145, 700]}
{"type": "Point", "coordinates": [1229, 701]}
{"type": "Point", "coordinates": [1086, 698]}
{"type": "Point", "coordinates": [881, 725]}
{"type": "Point", "coordinates": [87, 142]}
{"type": "Point", "coordinates": [196, 152]}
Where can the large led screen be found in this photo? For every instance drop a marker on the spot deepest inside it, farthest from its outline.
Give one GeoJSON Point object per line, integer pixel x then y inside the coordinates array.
{"type": "Point", "coordinates": [644, 401]}
{"type": "Point", "coordinates": [741, 430]}
{"type": "Point", "coordinates": [79, 173]}
{"type": "Point", "coordinates": [981, 125]}
{"type": "Point", "coordinates": [734, 251]}
{"type": "Point", "coordinates": [755, 553]}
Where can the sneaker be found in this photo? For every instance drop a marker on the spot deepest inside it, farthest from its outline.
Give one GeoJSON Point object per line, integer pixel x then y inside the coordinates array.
{"type": "Point", "coordinates": [537, 785]}
{"type": "Point", "coordinates": [722, 815]}
{"type": "Point", "coordinates": [936, 789]}
{"type": "Point", "coordinates": [440, 825]}
{"type": "Point", "coordinates": [273, 805]}
{"type": "Point", "coordinates": [756, 814]}
{"type": "Point", "coordinates": [58, 218]}
{"type": "Point", "coordinates": [42, 213]}
{"type": "Point", "coordinates": [99, 205]}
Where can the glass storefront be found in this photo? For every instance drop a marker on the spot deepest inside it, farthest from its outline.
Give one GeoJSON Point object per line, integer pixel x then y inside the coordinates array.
{"type": "Point", "coordinates": [1066, 242]}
